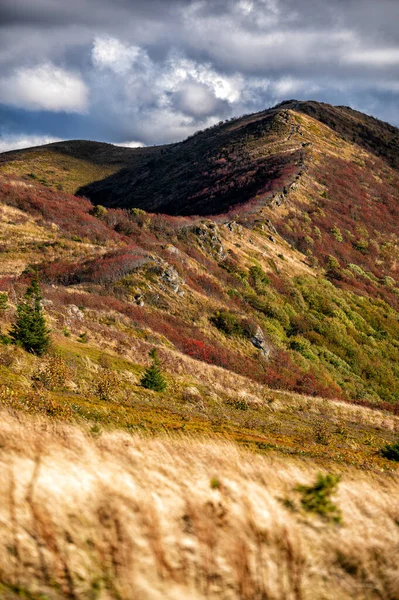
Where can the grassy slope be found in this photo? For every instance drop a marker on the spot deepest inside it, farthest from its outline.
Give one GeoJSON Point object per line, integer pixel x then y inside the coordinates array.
{"type": "Point", "coordinates": [70, 165]}
{"type": "Point", "coordinates": [114, 516]}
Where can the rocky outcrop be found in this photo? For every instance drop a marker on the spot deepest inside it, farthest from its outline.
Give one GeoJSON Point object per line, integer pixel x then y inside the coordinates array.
{"type": "Point", "coordinates": [210, 240]}
{"type": "Point", "coordinates": [259, 341]}
{"type": "Point", "coordinates": [172, 279]}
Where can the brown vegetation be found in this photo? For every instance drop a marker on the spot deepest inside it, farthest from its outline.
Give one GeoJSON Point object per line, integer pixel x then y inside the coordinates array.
{"type": "Point", "coordinates": [108, 515]}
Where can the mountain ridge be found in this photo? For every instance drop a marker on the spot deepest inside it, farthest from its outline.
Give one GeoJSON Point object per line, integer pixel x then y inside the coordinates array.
{"type": "Point", "coordinates": [209, 151]}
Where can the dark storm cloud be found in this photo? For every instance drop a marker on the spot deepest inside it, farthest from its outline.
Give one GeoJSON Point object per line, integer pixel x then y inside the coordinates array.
{"type": "Point", "coordinates": [154, 71]}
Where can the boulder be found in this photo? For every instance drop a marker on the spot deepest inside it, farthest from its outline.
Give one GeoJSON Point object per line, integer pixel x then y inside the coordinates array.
{"type": "Point", "coordinates": [259, 341]}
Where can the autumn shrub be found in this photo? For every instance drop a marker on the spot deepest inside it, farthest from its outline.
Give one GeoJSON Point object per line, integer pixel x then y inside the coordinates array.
{"type": "Point", "coordinates": [105, 361]}
{"type": "Point", "coordinates": [8, 355]}
{"type": "Point", "coordinates": [39, 401]}
{"type": "Point", "coordinates": [3, 302]}
{"type": "Point", "coordinates": [99, 211]}
{"type": "Point", "coordinates": [105, 269]}
{"type": "Point", "coordinates": [258, 278]}
{"type": "Point", "coordinates": [106, 385]}
{"type": "Point", "coordinates": [69, 213]}
{"type": "Point", "coordinates": [53, 375]}
{"type": "Point", "coordinates": [321, 432]}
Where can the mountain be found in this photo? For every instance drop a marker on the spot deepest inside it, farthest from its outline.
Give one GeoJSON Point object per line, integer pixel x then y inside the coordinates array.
{"type": "Point", "coordinates": [240, 160]}
{"type": "Point", "coordinates": [260, 259]}
{"type": "Point", "coordinates": [302, 245]}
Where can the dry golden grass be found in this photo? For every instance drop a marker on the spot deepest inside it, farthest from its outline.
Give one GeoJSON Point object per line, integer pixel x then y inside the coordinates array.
{"type": "Point", "coordinates": [89, 515]}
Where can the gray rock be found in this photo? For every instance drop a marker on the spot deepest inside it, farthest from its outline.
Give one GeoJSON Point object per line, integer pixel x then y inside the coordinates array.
{"type": "Point", "coordinates": [234, 226]}
{"type": "Point", "coordinates": [259, 341]}
{"type": "Point", "coordinates": [74, 311]}
{"type": "Point", "coordinates": [172, 279]}
{"type": "Point", "coordinates": [208, 235]}
{"type": "Point", "coordinates": [271, 226]}
{"type": "Point", "coordinates": [173, 250]}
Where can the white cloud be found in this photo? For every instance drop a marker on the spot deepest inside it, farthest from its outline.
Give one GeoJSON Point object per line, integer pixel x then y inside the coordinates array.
{"type": "Point", "coordinates": [289, 86]}
{"type": "Point", "coordinates": [158, 101]}
{"type": "Point", "coordinates": [198, 100]}
{"type": "Point", "coordinates": [111, 53]}
{"type": "Point", "coordinates": [178, 70]}
{"type": "Point", "coordinates": [130, 144]}
{"type": "Point", "coordinates": [382, 57]}
{"type": "Point", "coordinates": [45, 87]}
{"type": "Point", "coordinates": [16, 142]}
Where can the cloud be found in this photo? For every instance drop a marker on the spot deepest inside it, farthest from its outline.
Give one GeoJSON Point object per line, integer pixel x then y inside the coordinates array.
{"type": "Point", "coordinates": [156, 71]}
{"type": "Point", "coordinates": [112, 54]}
{"type": "Point", "coordinates": [16, 142]}
{"type": "Point", "coordinates": [198, 100]}
{"type": "Point", "coordinates": [44, 87]}
{"type": "Point", "coordinates": [131, 144]}
{"type": "Point", "coordinates": [380, 57]}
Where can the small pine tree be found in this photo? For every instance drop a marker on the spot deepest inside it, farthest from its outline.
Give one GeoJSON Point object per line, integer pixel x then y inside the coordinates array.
{"type": "Point", "coordinates": [153, 378]}
{"type": "Point", "coordinates": [30, 331]}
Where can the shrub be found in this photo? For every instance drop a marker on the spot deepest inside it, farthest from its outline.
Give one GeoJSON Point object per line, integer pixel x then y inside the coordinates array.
{"type": "Point", "coordinates": [54, 373]}
{"type": "Point", "coordinates": [106, 384]}
{"type": "Point", "coordinates": [215, 483]}
{"type": "Point", "coordinates": [322, 433]}
{"type": "Point", "coordinates": [153, 378]}
{"type": "Point", "coordinates": [30, 331]}
{"type": "Point", "coordinates": [83, 338]}
{"type": "Point", "coordinates": [99, 211]}
{"type": "Point", "coordinates": [229, 323]}
{"type": "Point", "coordinates": [258, 277]}
{"type": "Point", "coordinates": [391, 451]}
{"type": "Point", "coordinates": [317, 498]}
{"type": "Point", "coordinates": [336, 233]}
{"type": "Point", "coordinates": [7, 356]}
{"type": "Point", "coordinates": [39, 401]}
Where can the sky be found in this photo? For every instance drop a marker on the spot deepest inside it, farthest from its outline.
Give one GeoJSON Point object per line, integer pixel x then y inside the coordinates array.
{"type": "Point", "coordinates": [144, 72]}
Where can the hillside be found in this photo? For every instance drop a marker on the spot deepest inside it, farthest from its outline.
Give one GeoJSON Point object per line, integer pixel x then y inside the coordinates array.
{"type": "Point", "coordinates": [240, 161]}
{"type": "Point", "coordinates": [69, 165]}
{"type": "Point", "coordinates": [275, 315]}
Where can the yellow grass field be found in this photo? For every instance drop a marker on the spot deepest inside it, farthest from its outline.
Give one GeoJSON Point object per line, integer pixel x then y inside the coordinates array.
{"type": "Point", "coordinates": [88, 515]}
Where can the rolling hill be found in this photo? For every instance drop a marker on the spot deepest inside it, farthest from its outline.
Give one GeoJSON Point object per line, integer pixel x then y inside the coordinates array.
{"type": "Point", "coordinates": [69, 165]}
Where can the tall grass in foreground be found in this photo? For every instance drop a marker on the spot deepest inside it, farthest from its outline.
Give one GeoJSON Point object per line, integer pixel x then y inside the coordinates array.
{"type": "Point", "coordinates": [91, 515]}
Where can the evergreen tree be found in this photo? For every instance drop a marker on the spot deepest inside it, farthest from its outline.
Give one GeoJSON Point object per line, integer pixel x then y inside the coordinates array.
{"type": "Point", "coordinates": [153, 378]}
{"type": "Point", "coordinates": [30, 331]}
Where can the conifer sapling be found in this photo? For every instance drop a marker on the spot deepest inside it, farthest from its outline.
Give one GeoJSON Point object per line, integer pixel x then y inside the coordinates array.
{"type": "Point", "coordinates": [153, 378]}
{"type": "Point", "coordinates": [30, 330]}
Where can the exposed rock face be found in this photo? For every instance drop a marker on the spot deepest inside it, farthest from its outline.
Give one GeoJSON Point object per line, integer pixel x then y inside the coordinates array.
{"type": "Point", "coordinates": [139, 299]}
{"type": "Point", "coordinates": [74, 311]}
{"type": "Point", "coordinates": [259, 341]}
{"type": "Point", "coordinates": [271, 226]}
{"type": "Point", "coordinates": [172, 279]}
{"type": "Point", "coordinates": [234, 227]}
{"type": "Point", "coordinates": [208, 235]}
{"type": "Point", "coordinates": [173, 250]}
